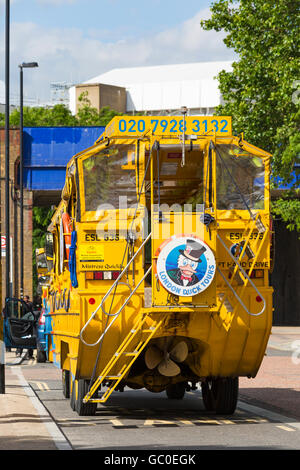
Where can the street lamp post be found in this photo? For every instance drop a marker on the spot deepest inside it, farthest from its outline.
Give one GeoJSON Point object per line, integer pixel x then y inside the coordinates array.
{"type": "Point", "coordinates": [22, 66]}
{"type": "Point", "coordinates": [7, 259]}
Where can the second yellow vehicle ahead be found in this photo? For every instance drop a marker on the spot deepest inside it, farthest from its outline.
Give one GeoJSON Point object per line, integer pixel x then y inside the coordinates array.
{"type": "Point", "coordinates": [160, 259]}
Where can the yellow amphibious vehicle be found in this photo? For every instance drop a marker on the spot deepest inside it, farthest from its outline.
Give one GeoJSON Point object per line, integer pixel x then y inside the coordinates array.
{"type": "Point", "coordinates": [161, 259]}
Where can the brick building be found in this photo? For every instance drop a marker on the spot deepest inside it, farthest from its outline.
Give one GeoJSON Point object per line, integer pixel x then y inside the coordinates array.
{"type": "Point", "coordinates": [14, 137]}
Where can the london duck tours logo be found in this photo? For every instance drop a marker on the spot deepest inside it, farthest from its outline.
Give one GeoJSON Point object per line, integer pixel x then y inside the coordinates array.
{"type": "Point", "coordinates": [185, 265]}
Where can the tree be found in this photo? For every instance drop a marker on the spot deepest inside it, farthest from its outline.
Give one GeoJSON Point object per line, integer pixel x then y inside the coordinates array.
{"type": "Point", "coordinates": [261, 92]}
{"type": "Point", "coordinates": [60, 115]}
{"type": "Point", "coordinates": [89, 116]}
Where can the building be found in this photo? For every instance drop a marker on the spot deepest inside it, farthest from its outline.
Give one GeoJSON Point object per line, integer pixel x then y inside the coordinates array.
{"type": "Point", "coordinates": [162, 89]}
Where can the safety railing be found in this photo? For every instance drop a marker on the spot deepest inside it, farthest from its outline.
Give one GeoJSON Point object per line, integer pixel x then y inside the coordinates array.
{"type": "Point", "coordinates": [114, 285]}
{"type": "Point", "coordinates": [246, 276]}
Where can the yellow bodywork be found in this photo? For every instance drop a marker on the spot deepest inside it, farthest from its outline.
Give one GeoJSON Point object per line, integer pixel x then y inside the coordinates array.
{"type": "Point", "coordinates": [227, 325]}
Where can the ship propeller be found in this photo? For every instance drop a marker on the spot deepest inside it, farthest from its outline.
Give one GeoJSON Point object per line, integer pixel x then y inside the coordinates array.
{"type": "Point", "coordinates": [163, 355]}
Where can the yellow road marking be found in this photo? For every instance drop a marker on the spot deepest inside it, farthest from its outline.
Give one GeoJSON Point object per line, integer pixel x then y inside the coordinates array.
{"type": "Point", "coordinates": [256, 420]}
{"type": "Point", "coordinates": [185, 421]}
{"type": "Point", "coordinates": [207, 421]}
{"type": "Point", "coordinates": [151, 422]}
{"type": "Point", "coordinates": [116, 422]}
{"type": "Point", "coordinates": [285, 428]}
{"type": "Point", "coordinates": [42, 386]}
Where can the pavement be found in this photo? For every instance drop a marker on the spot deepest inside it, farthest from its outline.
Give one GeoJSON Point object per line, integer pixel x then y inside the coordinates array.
{"type": "Point", "coordinates": [25, 424]}
{"type": "Point", "coordinates": [277, 383]}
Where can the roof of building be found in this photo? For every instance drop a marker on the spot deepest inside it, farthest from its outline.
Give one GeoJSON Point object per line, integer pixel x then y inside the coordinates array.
{"type": "Point", "coordinates": [166, 87]}
{"type": "Point", "coordinates": [161, 73]}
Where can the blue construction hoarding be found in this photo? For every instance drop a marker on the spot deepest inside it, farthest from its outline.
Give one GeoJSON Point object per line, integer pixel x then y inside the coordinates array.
{"type": "Point", "coordinates": [47, 151]}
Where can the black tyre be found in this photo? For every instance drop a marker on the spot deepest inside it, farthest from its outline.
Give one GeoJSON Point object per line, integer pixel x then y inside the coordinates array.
{"type": "Point", "coordinates": [66, 383]}
{"type": "Point", "coordinates": [221, 395]}
{"type": "Point", "coordinates": [227, 395]}
{"type": "Point", "coordinates": [41, 356]}
{"type": "Point", "coordinates": [176, 391]}
{"type": "Point", "coordinates": [207, 396]}
{"type": "Point", "coordinates": [84, 409]}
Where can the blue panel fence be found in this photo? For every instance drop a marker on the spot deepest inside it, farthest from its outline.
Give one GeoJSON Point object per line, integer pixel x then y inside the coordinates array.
{"type": "Point", "coordinates": [47, 150]}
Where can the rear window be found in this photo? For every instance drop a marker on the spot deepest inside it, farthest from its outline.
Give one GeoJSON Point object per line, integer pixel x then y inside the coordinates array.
{"type": "Point", "coordinates": [239, 175]}
{"type": "Point", "coordinates": [109, 176]}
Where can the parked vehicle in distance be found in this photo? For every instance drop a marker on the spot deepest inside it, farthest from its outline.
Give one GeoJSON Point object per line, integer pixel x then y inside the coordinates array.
{"type": "Point", "coordinates": [41, 338]}
{"type": "Point", "coordinates": [43, 282]}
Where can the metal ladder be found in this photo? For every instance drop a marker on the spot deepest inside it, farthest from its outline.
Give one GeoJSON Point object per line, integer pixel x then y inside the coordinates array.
{"type": "Point", "coordinates": [243, 277]}
{"type": "Point", "coordinates": [127, 350]}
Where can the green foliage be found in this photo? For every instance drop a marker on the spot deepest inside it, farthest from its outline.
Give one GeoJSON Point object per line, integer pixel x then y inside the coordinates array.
{"type": "Point", "coordinates": [262, 91]}
{"type": "Point", "coordinates": [89, 116]}
{"type": "Point", "coordinates": [289, 211]}
{"type": "Point", "coordinates": [60, 115]}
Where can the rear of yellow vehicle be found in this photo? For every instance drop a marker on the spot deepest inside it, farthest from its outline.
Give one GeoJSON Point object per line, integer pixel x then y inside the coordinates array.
{"type": "Point", "coordinates": [161, 260]}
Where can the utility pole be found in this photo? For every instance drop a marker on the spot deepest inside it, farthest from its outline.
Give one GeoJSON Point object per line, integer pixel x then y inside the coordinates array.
{"type": "Point", "coordinates": [28, 65]}
{"type": "Point", "coordinates": [21, 190]}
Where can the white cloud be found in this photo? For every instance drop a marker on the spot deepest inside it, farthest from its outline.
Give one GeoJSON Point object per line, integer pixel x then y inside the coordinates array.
{"type": "Point", "coordinates": [72, 55]}
{"type": "Point", "coordinates": [3, 3]}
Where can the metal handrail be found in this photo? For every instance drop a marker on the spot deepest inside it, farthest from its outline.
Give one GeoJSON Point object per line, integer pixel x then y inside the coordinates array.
{"type": "Point", "coordinates": [115, 315]}
{"type": "Point", "coordinates": [247, 277]}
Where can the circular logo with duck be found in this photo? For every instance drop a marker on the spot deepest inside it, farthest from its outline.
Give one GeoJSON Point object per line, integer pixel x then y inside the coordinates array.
{"type": "Point", "coordinates": [185, 265]}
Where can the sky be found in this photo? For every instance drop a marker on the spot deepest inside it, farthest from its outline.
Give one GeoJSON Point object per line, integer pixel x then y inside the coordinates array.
{"type": "Point", "coordinates": [75, 40]}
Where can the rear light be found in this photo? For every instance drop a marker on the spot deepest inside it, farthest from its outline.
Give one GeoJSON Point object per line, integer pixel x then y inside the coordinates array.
{"type": "Point", "coordinates": [258, 298]}
{"type": "Point", "coordinates": [257, 274]}
{"type": "Point", "coordinates": [101, 275]}
{"type": "Point", "coordinates": [98, 275]}
{"type": "Point", "coordinates": [92, 301]}
{"type": "Point", "coordinates": [107, 275]}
